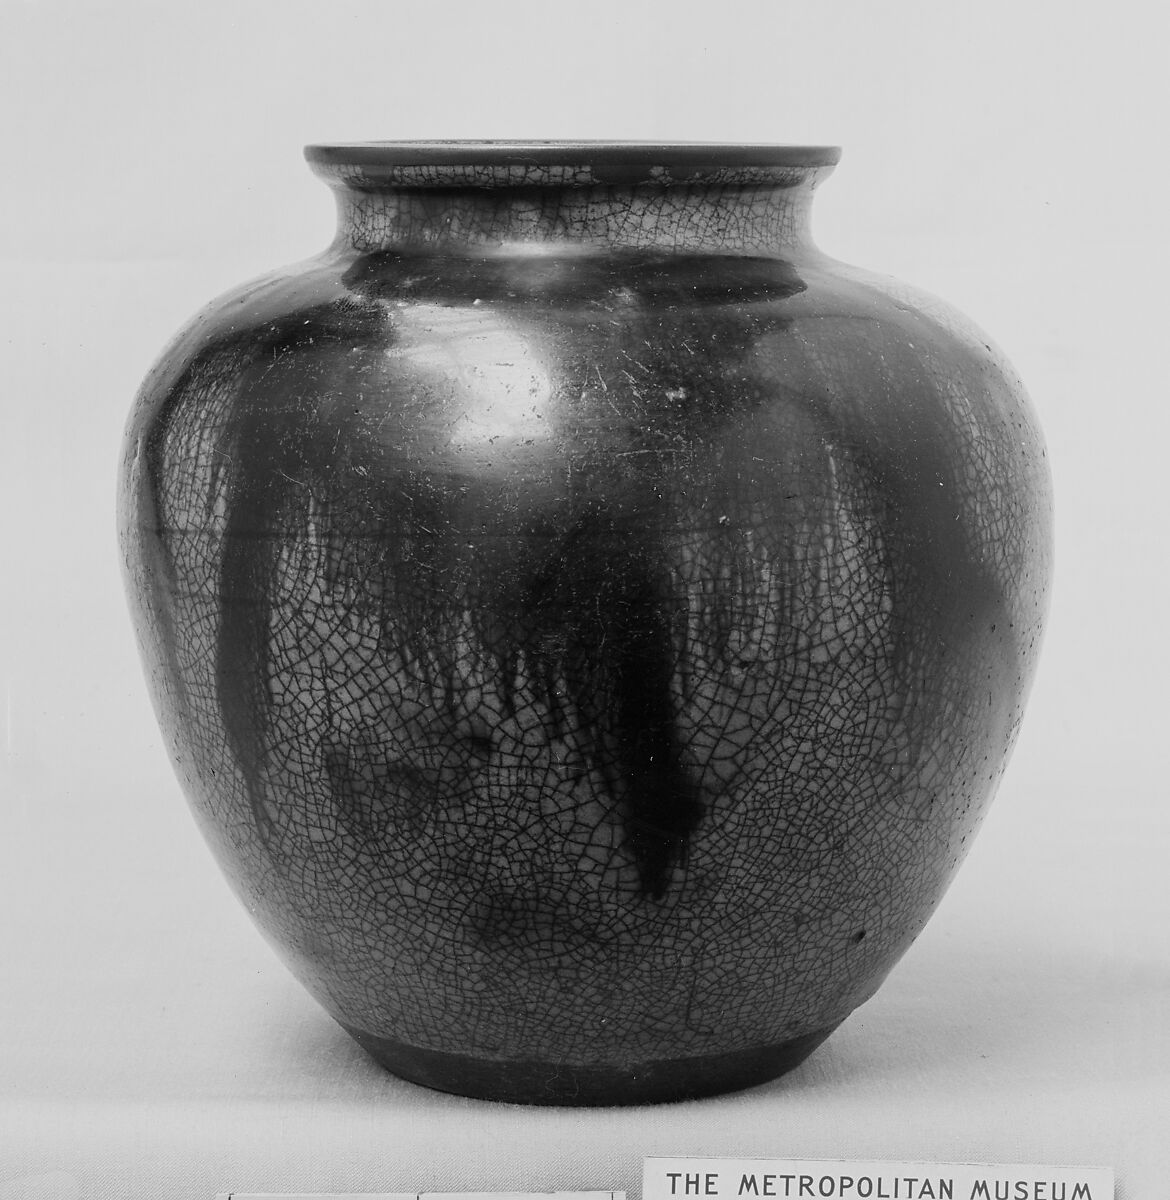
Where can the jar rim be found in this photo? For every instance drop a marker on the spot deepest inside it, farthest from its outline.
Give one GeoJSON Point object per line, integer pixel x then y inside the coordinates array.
{"type": "Point", "coordinates": [644, 154]}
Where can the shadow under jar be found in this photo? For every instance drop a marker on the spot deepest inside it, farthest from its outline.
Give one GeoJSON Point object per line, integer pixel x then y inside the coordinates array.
{"type": "Point", "coordinates": [588, 621]}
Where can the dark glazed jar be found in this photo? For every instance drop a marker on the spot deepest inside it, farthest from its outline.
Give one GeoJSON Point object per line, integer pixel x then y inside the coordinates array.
{"type": "Point", "coordinates": [588, 622]}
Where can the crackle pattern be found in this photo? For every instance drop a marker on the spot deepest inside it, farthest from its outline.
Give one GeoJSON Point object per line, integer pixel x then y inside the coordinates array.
{"type": "Point", "coordinates": [586, 658]}
{"type": "Point", "coordinates": [686, 218]}
{"type": "Point", "coordinates": [747, 210]}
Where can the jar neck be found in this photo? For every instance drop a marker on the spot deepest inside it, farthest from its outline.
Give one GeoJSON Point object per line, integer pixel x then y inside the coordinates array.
{"type": "Point", "coordinates": [743, 218]}
{"type": "Point", "coordinates": [565, 197]}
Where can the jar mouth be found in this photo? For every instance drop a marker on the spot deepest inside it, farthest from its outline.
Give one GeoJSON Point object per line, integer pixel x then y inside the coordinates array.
{"type": "Point", "coordinates": [563, 163]}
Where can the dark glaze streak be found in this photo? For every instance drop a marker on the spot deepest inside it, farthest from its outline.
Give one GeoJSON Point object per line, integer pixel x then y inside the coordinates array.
{"type": "Point", "coordinates": [599, 612]}
{"type": "Point", "coordinates": [665, 809]}
{"type": "Point", "coordinates": [272, 435]}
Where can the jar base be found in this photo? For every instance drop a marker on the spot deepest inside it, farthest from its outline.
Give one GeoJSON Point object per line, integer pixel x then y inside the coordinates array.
{"type": "Point", "coordinates": [527, 1082]}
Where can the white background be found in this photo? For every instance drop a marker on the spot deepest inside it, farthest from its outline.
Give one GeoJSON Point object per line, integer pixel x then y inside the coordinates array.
{"type": "Point", "coordinates": [1009, 156]}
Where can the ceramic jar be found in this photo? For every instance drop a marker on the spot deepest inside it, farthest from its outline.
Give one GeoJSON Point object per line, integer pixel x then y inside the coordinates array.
{"type": "Point", "coordinates": [588, 621]}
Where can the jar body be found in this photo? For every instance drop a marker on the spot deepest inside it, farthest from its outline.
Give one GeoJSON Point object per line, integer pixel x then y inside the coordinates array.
{"type": "Point", "coordinates": [589, 666]}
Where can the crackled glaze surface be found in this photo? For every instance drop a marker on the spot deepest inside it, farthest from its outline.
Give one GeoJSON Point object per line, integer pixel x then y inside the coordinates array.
{"type": "Point", "coordinates": [589, 622]}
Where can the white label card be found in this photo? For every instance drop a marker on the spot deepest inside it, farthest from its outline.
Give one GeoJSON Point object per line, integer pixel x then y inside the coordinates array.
{"type": "Point", "coordinates": [857, 1179]}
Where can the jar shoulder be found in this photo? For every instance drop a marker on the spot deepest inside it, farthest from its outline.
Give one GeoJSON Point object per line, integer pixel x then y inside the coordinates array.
{"type": "Point", "coordinates": [620, 330]}
{"type": "Point", "coordinates": [236, 315]}
{"type": "Point", "coordinates": [900, 306]}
